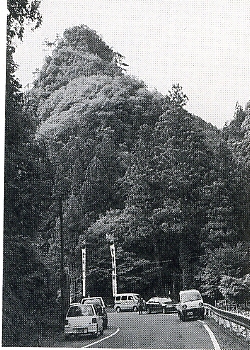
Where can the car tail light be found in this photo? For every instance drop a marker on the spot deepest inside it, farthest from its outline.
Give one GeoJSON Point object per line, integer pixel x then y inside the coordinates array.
{"type": "Point", "coordinates": [66, 322]}
{"type": "Point", "coordinates": [94, 320]}
{"type": "Point", "coordinates": [184, 306]}
{"type": "Point", "coordinates": [200, 304]}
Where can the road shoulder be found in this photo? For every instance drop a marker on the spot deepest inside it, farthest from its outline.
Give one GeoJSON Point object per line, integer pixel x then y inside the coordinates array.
{"type": "Point", "coordinates": [226, 339]}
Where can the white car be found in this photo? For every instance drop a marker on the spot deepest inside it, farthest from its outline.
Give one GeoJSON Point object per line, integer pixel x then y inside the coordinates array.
{"type": "Point", "coordinates": [190, 305]}
{"type": "Point", "coordinates": [83, 319]}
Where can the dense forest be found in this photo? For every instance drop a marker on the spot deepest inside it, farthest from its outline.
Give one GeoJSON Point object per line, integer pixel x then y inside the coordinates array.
{"type": "Point", "coordinates": [93, 156]}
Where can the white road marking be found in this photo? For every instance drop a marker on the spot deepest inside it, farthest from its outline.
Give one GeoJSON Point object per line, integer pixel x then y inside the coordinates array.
{"type": "Point", "coordinates": [99, 341]}
{"type": "Point", "coordinates": [212, 336]}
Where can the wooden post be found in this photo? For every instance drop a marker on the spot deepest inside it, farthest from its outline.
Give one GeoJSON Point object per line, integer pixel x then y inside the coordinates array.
{"type": "Point", "coordinates": [84, 271]}
{"type": "Point", "coordinates": [114, 280]}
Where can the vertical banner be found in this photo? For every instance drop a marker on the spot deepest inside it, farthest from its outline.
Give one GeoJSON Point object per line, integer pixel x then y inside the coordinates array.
{"type": "Point", "coordinates": [84, 271]}
{"type": "Point", "coordinates": [114, 282]}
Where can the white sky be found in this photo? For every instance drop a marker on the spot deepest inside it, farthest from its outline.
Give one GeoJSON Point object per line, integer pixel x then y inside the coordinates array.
{"type": "Point", "coordinates": [204, 45]}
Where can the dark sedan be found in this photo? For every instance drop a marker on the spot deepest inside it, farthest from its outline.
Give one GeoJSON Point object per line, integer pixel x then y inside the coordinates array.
{"type": "Point", "coordinates": [160, 304]}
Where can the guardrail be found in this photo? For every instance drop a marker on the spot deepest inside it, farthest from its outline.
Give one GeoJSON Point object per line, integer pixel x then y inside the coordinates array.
{"type": "Point", "coordinates": [235, 322]}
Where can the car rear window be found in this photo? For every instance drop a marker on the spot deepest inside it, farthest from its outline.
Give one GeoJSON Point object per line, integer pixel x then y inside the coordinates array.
{"type": "Point", "coordinates": [92, 301]}
{"type": "Point", "coordinates": [84, 310]}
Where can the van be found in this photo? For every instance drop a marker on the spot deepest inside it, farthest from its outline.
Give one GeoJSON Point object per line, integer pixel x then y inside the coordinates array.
{"type": "Point", "coordinates": [126, 302]}
{"type": "Point", "coordinates": [190, 305]}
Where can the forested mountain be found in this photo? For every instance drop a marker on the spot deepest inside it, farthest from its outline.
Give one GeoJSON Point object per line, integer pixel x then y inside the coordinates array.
{"type": "Point", "coordinates": [101, 158]}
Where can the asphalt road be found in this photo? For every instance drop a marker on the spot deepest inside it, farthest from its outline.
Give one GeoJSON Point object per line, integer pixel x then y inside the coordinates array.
{"type": "Point", "coordinates": [153, 331]}
{"type": "Point", "coordinates": [157, 331]}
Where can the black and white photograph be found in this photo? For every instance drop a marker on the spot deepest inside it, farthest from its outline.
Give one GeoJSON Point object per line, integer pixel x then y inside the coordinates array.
{"type": "Point", "coordinates": [126, 167]}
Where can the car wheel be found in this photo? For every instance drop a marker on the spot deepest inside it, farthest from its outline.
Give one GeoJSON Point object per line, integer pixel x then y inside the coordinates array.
{"type": "Point", "coordinates": [135, 309]}
{"type": "Point", "coordinates": [148, 311]}
{"type": "Point", "coordinates": [118, 309]}
{"type": "Point", "coordinates": [66, 336]}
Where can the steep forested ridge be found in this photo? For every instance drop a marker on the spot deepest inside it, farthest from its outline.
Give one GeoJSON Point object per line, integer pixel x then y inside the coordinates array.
{"type": "Point", "coordinates": [25, 287]}
{"type": "Point", "coordinates": [102, 158]}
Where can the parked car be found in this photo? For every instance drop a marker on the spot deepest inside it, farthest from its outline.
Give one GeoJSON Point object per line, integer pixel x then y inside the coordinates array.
{"type": "Point", "coordinates": [168, 305]}
{"type": "Point", "coordinates": [126, 302]}
{"type": "Point", "coordinates": [190, 305]}
{"type": "Point", "coordinates": [83, 319]}
{"type": "Point", "coordinates": [160, 304]}
{"type": "Point", "coordinates": [98, 301]}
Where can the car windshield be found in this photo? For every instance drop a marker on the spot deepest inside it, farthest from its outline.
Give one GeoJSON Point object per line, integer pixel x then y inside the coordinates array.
{"type": "Point", "coordinates": [137, 297]}
{"type": "Point", "coordinates": [92, 301]}
{"type": "Point", "coordinates": [165, 300]}
{"type": "Point", "coordinates": [152, 300]}
{"type": "Point", "coordinates": [190, 297]}
{"type": "Point", "coordinates": [82, 310]}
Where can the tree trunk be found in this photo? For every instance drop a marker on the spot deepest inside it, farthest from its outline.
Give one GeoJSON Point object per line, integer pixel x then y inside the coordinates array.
{"type": "Point", "coordinates": [159, 287]}
{"type": "Point", "coordinates": [185, 264]}
{"type": "Point", "coordinates": [64, 278]}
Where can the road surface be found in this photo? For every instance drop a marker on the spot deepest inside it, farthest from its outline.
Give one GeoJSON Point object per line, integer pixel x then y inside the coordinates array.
{"type": "Point", "coordinates": [154, 331]}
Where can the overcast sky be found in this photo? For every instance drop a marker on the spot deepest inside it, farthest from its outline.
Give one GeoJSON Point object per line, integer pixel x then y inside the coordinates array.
{"type": "Point", "coordinates": [204, 45]}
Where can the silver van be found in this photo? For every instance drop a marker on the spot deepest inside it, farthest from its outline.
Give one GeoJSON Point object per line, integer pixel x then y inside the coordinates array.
{"type": "Point", "coordinates": [126, 302]}
{"type": "Point", "coordinates": [190, 305]}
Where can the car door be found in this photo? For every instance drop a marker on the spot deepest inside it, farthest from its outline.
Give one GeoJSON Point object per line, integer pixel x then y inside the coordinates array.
{"type": "Point", "coordinates": [154, 307]}
{"type": "Point", "coordinates": [130, 302]}
{"type": "Point", "coordinates": [157, 305]}
{"type": "Point", "coordinates": [124, 302]}
{"type": "Point", "coordinates": [151, 305]}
